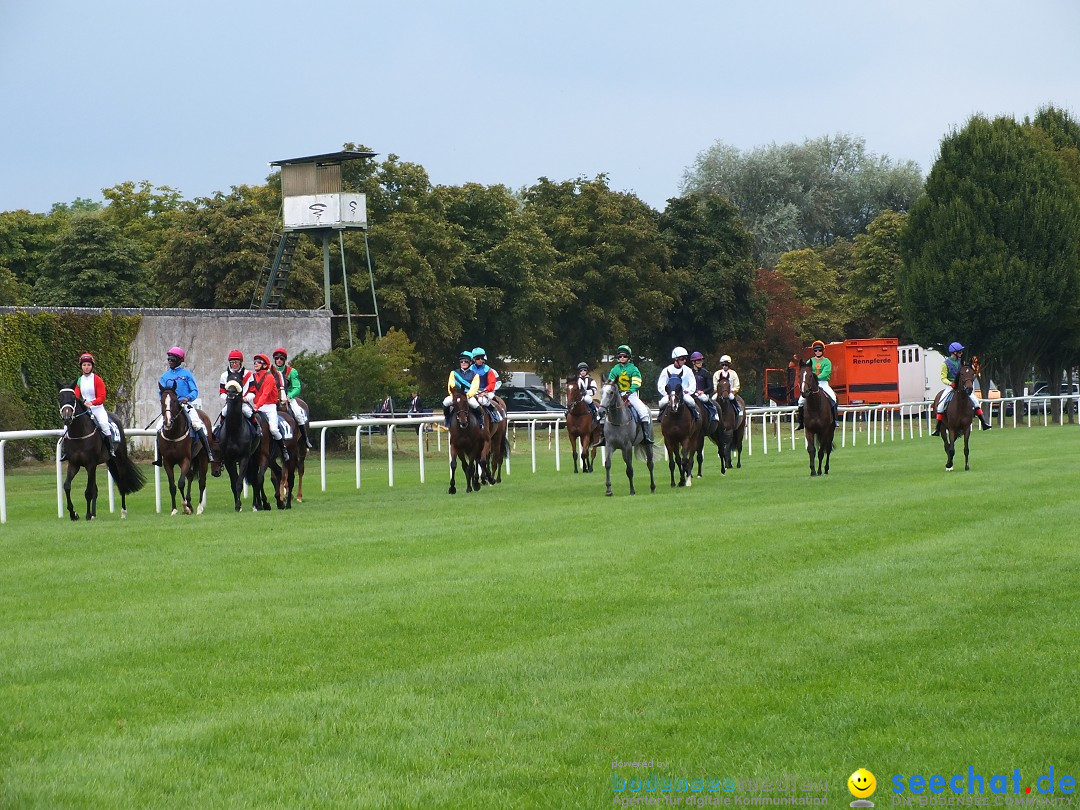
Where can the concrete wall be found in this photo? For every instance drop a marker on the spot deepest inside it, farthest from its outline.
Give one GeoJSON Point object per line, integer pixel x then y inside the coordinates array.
{"type": "Point", "coordinates": [207, 336]}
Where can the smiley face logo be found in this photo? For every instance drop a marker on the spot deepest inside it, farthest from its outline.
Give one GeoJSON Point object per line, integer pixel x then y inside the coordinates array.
{"type": "Point", "coordinates": [862, 784]}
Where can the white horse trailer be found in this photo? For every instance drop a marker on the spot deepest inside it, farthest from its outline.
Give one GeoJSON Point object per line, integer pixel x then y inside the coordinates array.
{"type": "Point", "coordinates": [920, 373]}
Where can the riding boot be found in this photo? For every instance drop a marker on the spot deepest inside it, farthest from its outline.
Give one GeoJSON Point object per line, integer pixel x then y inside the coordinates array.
{"type": "Point", "coordinates": [647, 429]}
{"type": "Point", "coordinates": [446, 417]}
{"type": "Point", "coordinates": [937, 426]}
{"type": "Point", "coordinates": [800, 416]}
{"type": "Point", "coordinates": [835, 419]}
{"type": "Point", "coordinates": [982, 418]}
{"type": "Point", "coordinates": [157, 461]}
{"type": "Point", "coordinates": [304, 435]}
{"type": "Point", "coordinates": [205, 442]}
{"type": "Point", "coordinates": [112, 445]}
{"type": "Point", "coordinates": [284, 451]}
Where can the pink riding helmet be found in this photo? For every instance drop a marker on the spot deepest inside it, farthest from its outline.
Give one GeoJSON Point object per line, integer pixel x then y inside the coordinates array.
{"type": "Point", "coordinates": [176, 351]}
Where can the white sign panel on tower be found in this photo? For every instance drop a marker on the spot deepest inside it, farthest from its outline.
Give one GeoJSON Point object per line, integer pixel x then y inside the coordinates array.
{"type": "Point", "coordinates": [341, 210]}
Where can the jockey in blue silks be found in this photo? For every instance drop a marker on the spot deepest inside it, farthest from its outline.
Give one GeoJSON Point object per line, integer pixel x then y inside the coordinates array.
{"type": "Point", "coordinates": [187, 394]}
{"type": "Point", "coordinates": [949, 369]}
{"type": "Point", "coordinates": [489, 381]}
{"type": "Point", "coordinates": [464, 376]}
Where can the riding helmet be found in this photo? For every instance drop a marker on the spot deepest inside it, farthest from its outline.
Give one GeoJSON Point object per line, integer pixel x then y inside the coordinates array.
{"type": "Point", "coordinates": [86, 357]}
{"type": "Point", "coordinates": [817, 343]}
{"type": "Point", "coordinates": [264, 358]}
{"type": "Point", "coordinates": [236, 354]}
{"type": "Point", "coordinates": [465, 355]}
{"type": "Point", "coordinates": [282, 352]}
{"type": "Point", "coordinates": [725, 358]}
{"type": "Point", "coordinates": [678, 352]}
{"type": "Point", "coordinates": [478, 352]}
{"type": "Point", "coordinates": [696, 356]}
{"type": "Point", "coordinates": [176, 352]}
{"type": "Point", "coordinates": [623, 348]}
{"type": "Point", "coordinates": [582, 366]}
{"type": "Point", "coordinates": [955, 347]}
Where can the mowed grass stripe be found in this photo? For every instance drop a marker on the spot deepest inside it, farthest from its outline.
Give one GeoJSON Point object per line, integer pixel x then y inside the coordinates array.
{"type": "Point", "coordinates": [404, 648]}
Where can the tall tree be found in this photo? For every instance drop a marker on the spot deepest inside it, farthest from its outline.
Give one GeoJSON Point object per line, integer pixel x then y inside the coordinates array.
{"type": "Point", "coordinates": [92, 264]}
{"type": "Point", "coordinates": [611, 260]}
{"type": "Point", "coordinates": [992, 251]}
{"type": "Point", "coordinates": [793, 196]}
{"type": "Point", "coordinates": [872, 299]}
{"type": "Point", "coordinates": [711, 276]}
{"type": "Point", "coordinates": [25, 238]}
{"type": "Point", "coordinates": [816, 284]}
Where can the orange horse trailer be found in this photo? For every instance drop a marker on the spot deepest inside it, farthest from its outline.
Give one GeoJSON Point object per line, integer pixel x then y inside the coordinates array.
{"type": "Point", "coordinates": [864, 371]}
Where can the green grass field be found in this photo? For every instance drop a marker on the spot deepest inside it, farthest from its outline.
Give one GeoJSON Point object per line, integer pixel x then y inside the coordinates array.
{"type": "Point", "coordinates": [405, 648]}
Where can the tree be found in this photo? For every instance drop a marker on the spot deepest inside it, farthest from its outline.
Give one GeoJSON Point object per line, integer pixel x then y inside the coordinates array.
{"type": "Point", "coordinates": [93, 265]}
{"type": "Point", "coordinates": [611, 262]}
{"type": "Point", "coordinates": [25, 238]}
{"type": "Point", "coordinates": [795, 196]}
{"type": "Point", "coordinates": [992, 251]}
{"type": "Point", "coordinates": [816, 285]}
{"type": "Point", "coordinates": [711, 275]}
{"type": "Point", "coordinates": [872, 299]}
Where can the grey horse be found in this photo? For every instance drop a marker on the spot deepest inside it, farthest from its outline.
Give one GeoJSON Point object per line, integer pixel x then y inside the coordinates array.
{"type": "Point", "coordinates": [622, 432]}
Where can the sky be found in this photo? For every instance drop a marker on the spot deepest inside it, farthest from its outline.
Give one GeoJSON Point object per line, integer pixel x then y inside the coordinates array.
{"type": "Point", "coordinates": [200, 96]}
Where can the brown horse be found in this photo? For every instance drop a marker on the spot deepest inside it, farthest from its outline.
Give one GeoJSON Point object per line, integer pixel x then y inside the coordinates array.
{"type": "Point", "coordinates": [732, 427]}
{"type": "Point", "coordinates": [958, 415]}
{"type": "Point", "coordinates": [581, 424]}
{"type": "Point", "coordinates": [266, 458]}
{"type": "Point", "coordinates": [498, 444]}
{"type": "Point", "coordinates": [469, 441]}
{"type": "Point", "coordinates": [301, 453]}
{"type": "Point", "coordinates": [680, 430]}
{"type": "Point", "coordinates": [177, 448]}
{"type": "Point", "coordinates": [818, 421]}
{"type": "Point", "coordinates": [84, 447]}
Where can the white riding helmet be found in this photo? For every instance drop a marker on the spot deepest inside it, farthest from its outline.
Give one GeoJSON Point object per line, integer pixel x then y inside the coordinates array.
{"type": "Point", "coordinates": [678, 352]}
{"type": "Point", "coordinates": [725, 358]}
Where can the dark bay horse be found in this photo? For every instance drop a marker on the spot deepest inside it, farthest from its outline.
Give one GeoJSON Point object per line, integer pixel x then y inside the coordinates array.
{"type": "Point", "coordinates": [84, 447]}
{"type": "Point", "coordinates": [681, 432]}
{"type": "Point", "coordinates": [581, 424]}
{"type": "Point", "coordinates": [732, 427]}
{"type": "Point", "coordinates": [498, 444]}
{"type": "Point", "coordinates": [710, 429]}
{"type": "Point", "coordinates": [176, 448]}
{"type": "Point", "coordinates": [958, 415]}
{"type": "Point", "coordinates": [469, 441]}
{"type": "Point", "coordinates": [301, 453]}
{"type": "Point", "coordinates": [265, 458]}
{"type": "Point", "coordinates": [818, 421]}
{"type": "Point", "coordinates": [623, 432]}
{"type": "Point", "coordinates": [236, 441]}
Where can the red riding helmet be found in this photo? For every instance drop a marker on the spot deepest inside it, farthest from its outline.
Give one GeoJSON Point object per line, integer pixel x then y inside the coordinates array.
{"type": "Point", "coordinates": [86, 357]}
{"type": "Point", "coordinates": [236, 354]}
{"type": "Point", "coordinates": [264, 358]}
{"type": "Point", "coordinates": [282, 352]}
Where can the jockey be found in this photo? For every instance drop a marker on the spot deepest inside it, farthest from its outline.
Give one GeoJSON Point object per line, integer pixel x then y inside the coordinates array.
{"type": "Point", "coordinates": [187, 394]}
{"type": "Point", "coordinates": [463, 376]}
{"type": "Point", "coordinates": [587, 386]}
{"type": "Point", "coordinates": [292, 390]}
{"type": "Point", "coordinates": [726, 372]}
{"type": "Point", "coordinates": [704, 385]}
{"type": "Point", "coordinates": [624, 376]}
{"type": "Point", "coordinates": [678, 373]}
{"type": "Point", "coordinates": [90, 389]}
{"type": "Point", "coordinates": [489, 381]}
{"type": "Point", "coordinates": [266, 390]}
{"type": "Point", "coordinates": [237, 373]}
{"type": "Point", "coordinates": [822, 367]}
{"type": "Point", "coordinates": [949, 369]}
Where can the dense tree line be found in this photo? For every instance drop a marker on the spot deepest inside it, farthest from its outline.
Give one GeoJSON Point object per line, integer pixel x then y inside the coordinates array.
{"type": "Point", "coordinates": [762, 253]}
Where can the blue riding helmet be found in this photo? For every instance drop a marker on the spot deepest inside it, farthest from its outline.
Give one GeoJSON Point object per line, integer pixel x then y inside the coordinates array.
{"type": "Point", "coordinates": [478, 352]}
{"type": "Point", "coordinates": [955, 347]}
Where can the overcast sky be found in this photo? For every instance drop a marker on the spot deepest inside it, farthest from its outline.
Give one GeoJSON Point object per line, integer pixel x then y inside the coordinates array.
{"type": "Point", "coordinates": [201, 96]}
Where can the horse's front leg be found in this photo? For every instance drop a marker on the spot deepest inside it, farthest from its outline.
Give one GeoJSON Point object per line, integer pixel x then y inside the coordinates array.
{"type": "Point", "coordinates": [91, 493]}
{"type": "Point", "coordinates": [236, 483]}
{"type": "Point", "coordinates": [950, 448]}
{"type": "Point", "coordinates": [810, 449]}
{"type": "Point", "coordinates": [574, 452]}
{"type": "Point", "coordinates": [607, 471]}
{"type": "Point", "coordinates": [828, 455]}
{"type": "Point", "coordinates": [967, 433]}
{"type": "Point", "coordinates": [453, 471]}
{"type": "Point", "coordinates": [71, 471]}
{"type": "Point", "coordinates": [187, 474]}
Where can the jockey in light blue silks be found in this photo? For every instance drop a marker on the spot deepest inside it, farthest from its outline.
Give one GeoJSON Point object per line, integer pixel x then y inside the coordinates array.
{"type": "Point", "coordinates": [187, 394]}
{"type": "Point", "coordinates": [464, 376]}
{"type": "Point", "coordinates": [949, 369]}
{"type": "Point", "coordinates": [489, 381]}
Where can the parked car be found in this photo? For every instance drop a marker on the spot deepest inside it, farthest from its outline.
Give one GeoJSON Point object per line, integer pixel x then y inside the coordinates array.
{"type": "Point", "coordinates": [529, 400]}
{"type": "Point", "coordinates": [1042, 389]}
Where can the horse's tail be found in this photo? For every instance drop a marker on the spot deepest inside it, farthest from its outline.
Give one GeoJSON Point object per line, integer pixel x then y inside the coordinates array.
{"type": "Point", "coordinates": [251, 474]}
{"type": "Point", "coordinates": [128, 477]}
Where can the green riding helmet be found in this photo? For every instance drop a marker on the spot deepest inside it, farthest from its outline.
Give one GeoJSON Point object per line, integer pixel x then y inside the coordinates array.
{"type": "Point", "coordinates": [623, 348]}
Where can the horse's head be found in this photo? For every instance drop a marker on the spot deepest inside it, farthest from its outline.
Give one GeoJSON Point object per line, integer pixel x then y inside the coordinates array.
{"type": "Point", "coordinates": [723, 388]}
{"type": "Point", "coordinates": [459, 406]}
{"type": "Point", "coordinates": [68, 404]}
{"type": "Point", "coordinates": [674, 396]}
{"type": "Point", "coordinates": [808, 381]}
{"type": "Point", "coordinates": [965, 380]}
{"type": "Point", "coordinates": [170, 405]}
{"type": "Point", "coordinates": [573, 391]}
{"type": "Point", "coordinates": [233, 390]}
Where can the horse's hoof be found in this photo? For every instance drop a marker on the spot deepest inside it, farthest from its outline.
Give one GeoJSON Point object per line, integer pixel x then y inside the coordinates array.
{"type": "Point", "coordinates": [948, 469]}
{"type": "Point", "coordinates": [216, 474]}
{"type": "Point", "coordinates": [187, 510]}
{"type": "Point", "coordinates": [608, 494]}
{"type": "Point", "coordinates": [75, 516]}
{"type": "Point", "coordinates": [123, 514]}
{"type": "Point", "coordinates": [299, 500]}
{"type": "Point", "coordinates": [199, 511]}
{"type": "Point", "coordinates": [173, 513]}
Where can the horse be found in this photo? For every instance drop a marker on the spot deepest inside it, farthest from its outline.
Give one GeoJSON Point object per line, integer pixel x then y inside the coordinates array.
{"type": "Point", "coordinates": [498, 444]}
{"type": "Point", "coordinates": [581, 424]}
{"type": "Point", "coordinates": [177, 448]}
{"type": "Point", "coordinates": [301, 453]}
{"type": "Point", "coordinates": [236, 442]}
{"type": "Point", "coordinates": [681, 431]}
{"type": "Point", "coordinates": [84, 447]}
{"type": "Point", "coordinates": [265, 458]}
{"type": "Point", "coordinates": [710, 429]}
{"type": "Point", "coordinates": [732, 427]}
{"type": "Point", "coordinates": [468, 440]}
{"type": "Point", "coordinates": [818, 421]}
{"type": "Point", "coordinates": [957, 417]}
{"type": "Point", "coordinates": [623, 432]}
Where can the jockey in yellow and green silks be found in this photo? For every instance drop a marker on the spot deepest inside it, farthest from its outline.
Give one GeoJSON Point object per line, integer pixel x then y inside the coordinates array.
{"type": "Point", "coordinates": [626, 378]}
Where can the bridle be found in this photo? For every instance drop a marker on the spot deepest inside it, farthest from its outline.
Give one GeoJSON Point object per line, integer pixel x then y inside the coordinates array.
{"type": "Point", "coordinates": [68, 414]}
{"type": "Point", "coordinates": [168, 396]}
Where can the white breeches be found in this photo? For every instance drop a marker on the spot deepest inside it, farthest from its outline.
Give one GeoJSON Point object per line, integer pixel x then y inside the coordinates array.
{"type": "Point", "coordinates": [824, 386]}
{"type": "Point", "coordinates": [101, 416]}
{"type": "Point", "coordinates": [193, 417]}
{"type": "Point", "coordinates": [270, 412]}
{"type": "Point", "coordinates": [949, 393]}
{"type": "Point", "coordinates": [297, 412]}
